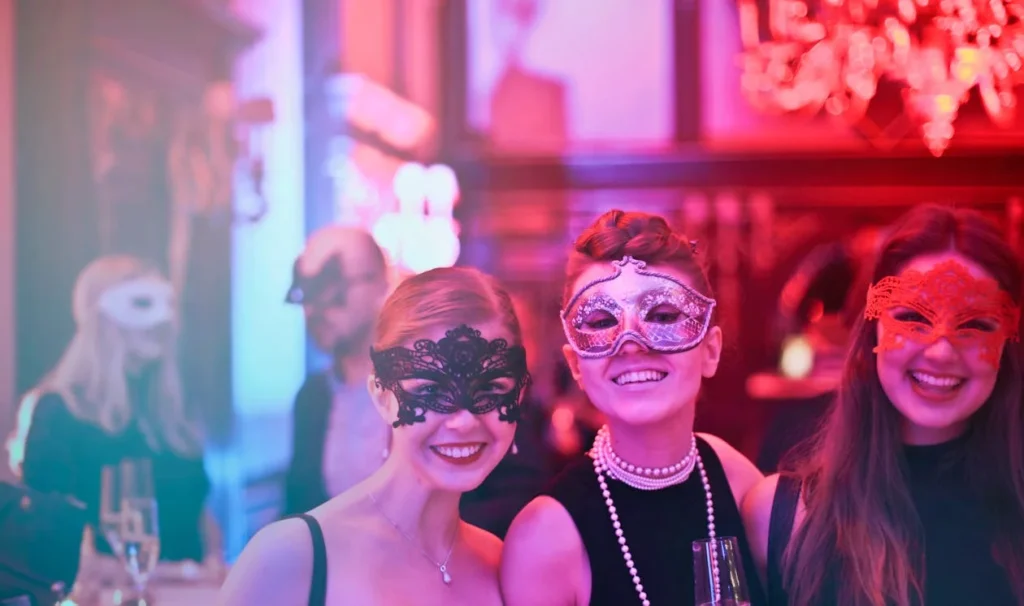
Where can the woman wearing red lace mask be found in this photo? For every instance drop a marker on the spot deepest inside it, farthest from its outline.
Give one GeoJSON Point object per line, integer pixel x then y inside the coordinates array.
{"type": "Point", "coordinates": [914, 490]}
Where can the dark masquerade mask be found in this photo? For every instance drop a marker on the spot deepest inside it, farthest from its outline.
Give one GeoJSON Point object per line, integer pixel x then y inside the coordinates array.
{"type": "Point", "coordinates": [461, 371]}
{"type": "Point", "coordinates": [306, 289]}
{"type": "Point", "coordinates": [328, 287]}
{"type": "Point", "coordinates": [661, 313]}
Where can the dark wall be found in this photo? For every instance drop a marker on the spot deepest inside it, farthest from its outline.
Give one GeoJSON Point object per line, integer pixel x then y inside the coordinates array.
{"type": "Point", "coordinates": [321, 55]}
{"type": "Point", "coordinates": [56, 214]}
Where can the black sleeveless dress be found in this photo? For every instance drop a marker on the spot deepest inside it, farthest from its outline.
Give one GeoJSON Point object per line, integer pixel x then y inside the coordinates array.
{"type": "Point", "coordinates": [659, 526]}
{"type": "Point", "coordinates": [959, 567]}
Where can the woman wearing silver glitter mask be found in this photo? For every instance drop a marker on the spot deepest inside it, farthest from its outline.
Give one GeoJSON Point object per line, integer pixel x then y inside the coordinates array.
{"type": "Point", "coordinates": [449, 372]}
{"type": "Point", "coordinates": [616, 527]}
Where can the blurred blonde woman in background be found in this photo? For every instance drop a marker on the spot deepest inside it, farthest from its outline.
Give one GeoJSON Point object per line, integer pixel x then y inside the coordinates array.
{"type": "Point", "coordinates": [115, 394]}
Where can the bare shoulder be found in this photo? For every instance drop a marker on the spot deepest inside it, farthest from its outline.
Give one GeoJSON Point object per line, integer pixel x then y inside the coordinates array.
{"type": "Point", "coordinates": [756, 510]}
{"type": "Point", "coordinates": [543, 561]}
{"type": "Point", "coordinates": [485, 545]}
{"type": "Point", "coordinates": [742, 474]}
{"type": "Point", "coordinates": [275, 567]}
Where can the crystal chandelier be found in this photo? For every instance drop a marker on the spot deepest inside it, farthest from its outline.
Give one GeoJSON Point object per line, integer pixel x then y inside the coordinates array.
{"type": "Point", "coordinates": [833, 54]}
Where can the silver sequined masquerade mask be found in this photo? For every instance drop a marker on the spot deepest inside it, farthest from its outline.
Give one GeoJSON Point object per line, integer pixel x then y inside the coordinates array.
{"type": "Point", "coordinates": [662, 314]}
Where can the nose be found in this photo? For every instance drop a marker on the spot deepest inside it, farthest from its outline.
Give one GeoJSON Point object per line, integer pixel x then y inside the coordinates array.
{"type": "Point", "coordinates": [632, 346]}
{"type": "Point", "coordinates": [461, 420]}
{"type": "Point", "coordinates": [940, 351]}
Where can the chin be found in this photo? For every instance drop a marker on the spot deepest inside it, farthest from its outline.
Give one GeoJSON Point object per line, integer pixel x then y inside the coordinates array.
{"type": "Point", "coordinates": [641, 413]}
{"type": "Point", "coordinates": [933, 424]}
{"type": "Point", "coordinates": [462, 482]}
{"type": "Point", "coordinates": [939, 414]}
{"type": "Point", "coordinates": [462, 486]}
{"type": "Point", "coordinates": [645, 407]}
{"type": "Point", "coordinates": [147, 357]}
{"type": "Point", "coordinates": [330, 342]}
{"type": "Point", "coordinates": [936, 419]}
{"type": "Point", "coordinates": [323, 342]}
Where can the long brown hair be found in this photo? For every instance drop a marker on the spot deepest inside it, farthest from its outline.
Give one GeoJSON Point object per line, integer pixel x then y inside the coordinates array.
{"type": "Point", "coordinates": [861, 530]}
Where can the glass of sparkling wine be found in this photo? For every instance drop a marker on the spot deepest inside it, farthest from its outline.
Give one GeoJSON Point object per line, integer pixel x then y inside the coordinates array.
{"type": "Point", "coordinates": [718, 573]}
{"type": "Point", "coordinates": [110, 508]}
{"type": "Point", "coordinates": [140, 527]}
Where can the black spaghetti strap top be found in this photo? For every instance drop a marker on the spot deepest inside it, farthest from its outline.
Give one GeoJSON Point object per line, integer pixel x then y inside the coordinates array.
{"type": "Point", "coordinates": [659, 526]}
{"type": "Point", "coordinates": [780, 527]}
{"type": "Point", "coordinates": [318, 586]}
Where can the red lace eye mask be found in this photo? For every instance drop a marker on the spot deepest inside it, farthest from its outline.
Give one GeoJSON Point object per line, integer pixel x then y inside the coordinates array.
{"type": "Point", "coordinates": [944, 302]}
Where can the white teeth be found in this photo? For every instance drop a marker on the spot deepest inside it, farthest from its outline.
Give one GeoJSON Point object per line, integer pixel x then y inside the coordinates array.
{"type": "Point", "coordinates": [640, 376]}
{"type": "Point", "coordinates": [458, 452]}
{"type": "Point", "coordinates": [934, 381]}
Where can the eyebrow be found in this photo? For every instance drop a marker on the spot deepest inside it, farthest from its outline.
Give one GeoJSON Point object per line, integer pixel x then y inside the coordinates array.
{"type": "Point", "coordinates": [674, 289]}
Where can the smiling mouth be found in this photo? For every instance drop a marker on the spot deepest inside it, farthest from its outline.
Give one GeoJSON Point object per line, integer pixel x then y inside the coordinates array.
{"type": "Point", "coordinates": [935, 384]}
{"type": "Point", "coordinates": [459, 454]}
{"type": "Point", "coordinates": [633, 377]}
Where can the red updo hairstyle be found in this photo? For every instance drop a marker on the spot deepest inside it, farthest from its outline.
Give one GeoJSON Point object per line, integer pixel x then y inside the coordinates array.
{"type": "Point", "coordinates": [643, 236]}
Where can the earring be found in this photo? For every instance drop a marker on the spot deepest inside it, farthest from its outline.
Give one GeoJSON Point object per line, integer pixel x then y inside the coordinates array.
{"type": "Point", "coordinates": [515, 448]}
{"type": "Point", "coordinates": [387, 447]}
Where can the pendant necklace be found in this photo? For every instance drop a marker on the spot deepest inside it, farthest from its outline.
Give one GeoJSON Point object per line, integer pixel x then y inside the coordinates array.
{"type": "Point", "coordinates": [442, 566]}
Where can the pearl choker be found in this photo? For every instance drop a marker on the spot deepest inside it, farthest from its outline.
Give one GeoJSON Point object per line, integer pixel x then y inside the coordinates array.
{"type": "Point", "coordinates": [645, 478]}
{"type": "Point", "coordinates": [606, 461]}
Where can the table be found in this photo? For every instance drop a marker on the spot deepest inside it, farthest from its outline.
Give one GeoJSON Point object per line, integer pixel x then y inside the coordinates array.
{"type": "Point", "coordinates": [172, 584]}
{"type": "Point", "coordinates": [178, 594]}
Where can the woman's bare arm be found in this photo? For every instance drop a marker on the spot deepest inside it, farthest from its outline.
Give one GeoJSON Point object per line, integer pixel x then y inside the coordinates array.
{"type": "Point", "coordinates": [756, 510]}
{"type": "Point", "coordinates": [741, 473]}
{"type": "Point", "coordinates": [276, 567]}
{"type": "Point", "coordinates": [543, 562]}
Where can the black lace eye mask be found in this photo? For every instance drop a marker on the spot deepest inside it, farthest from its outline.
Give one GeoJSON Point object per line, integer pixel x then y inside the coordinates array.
{"type": "Point", "coordinates": [460, 371]}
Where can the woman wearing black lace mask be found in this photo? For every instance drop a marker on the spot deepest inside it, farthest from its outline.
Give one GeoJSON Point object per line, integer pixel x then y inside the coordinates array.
{"type": "Point", "coordinates": [449, 375]}
{"type": "Point", "coordinates": [617, 527]}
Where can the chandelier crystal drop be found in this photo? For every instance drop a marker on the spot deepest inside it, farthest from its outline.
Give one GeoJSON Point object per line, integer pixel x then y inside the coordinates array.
{"type": "Point", "coordinates": [832, 54]}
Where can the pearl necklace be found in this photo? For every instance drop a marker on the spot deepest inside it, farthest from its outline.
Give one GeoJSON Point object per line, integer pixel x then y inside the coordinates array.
{"type": "Point", "coordinates": [647, 478]}
{"type": "Point", "coordinates": [606, 461]}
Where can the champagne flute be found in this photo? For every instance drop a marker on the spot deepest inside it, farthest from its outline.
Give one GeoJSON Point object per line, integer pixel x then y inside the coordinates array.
{"type": "Point", "coordinates": [140, 527]}
{"type": "Point", "coordinates": [718, 573]}
{"type": "Point", "coordinates": [110, 508]}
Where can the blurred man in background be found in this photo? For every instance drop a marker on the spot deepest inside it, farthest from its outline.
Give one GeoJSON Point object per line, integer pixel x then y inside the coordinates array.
{"type": "Point", "coordinates": [338, 438]}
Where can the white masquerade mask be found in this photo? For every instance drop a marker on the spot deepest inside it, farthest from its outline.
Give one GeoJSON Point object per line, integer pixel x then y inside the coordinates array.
{"type": "Point", "coordinates": [139, 304]}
